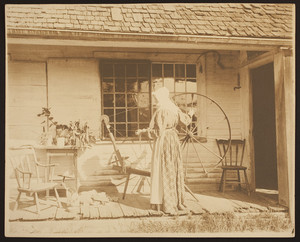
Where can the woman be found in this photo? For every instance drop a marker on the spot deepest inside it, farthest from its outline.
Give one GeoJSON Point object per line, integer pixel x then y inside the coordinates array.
{"type": "Point", "coordinates": [167, 177]}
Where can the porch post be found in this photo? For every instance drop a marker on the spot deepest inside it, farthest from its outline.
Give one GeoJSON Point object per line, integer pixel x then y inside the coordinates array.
{"type": "Point", "coordinates": [246, 100]}
{"type": "Point", "coordinates": [285, 126]}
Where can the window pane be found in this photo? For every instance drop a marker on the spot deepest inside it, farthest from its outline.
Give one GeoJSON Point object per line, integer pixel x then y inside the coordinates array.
{"type": "Point", "coordinates": [169, 83]}
{"type": "Point", "coordinates": [120, 100]}
{"type": "Point", "coordinates": [191, 70]}
{"type": "Point", "coordinates": [143, 70]}
{"type": "Point", "coordinates": [120, 70]}
{"type": "Point", "coordinates": [108, 85]}
{"type": "Point", "coordinates": [110, 114]}
{"type": "Point", "coordinates": [132, 115]}
{"type": "Point", "coordinates": [143, 100]}
{"type": "Point", "coordinates": [120, 130]}
{"type": "Point", "coordinates": [107, 70]}
{"type": "Point", "coordinates": [131, 130]}
{"type": "Point", "coordinates": [132, 85]}
{"type": "Point", "coordinates": [157, 83]}
{"type": "Point", "coordinates": [131, 70]}
{"type": "Point", "coordinates": [120, 85]}
{"type": "Point", "coordinates": [168, 70]}
{"type": "Point", "coordinates": [179, 70]}
{"type": "Point", "coordinates": [179, 85]}
{"type": "Point", "coordinates": [121, 115]}
{"type": "Point", "coordinates": [157, 70]}
{"type": "Point", "coordinates": [180, 101]}
{"type": "Point", "coordinates": [143, 85]}
{"type": "Point", "coordinates": [191, 85]}
{"type": "Point", "coordinates": [105, 131]}
{"type": "Point", "coordinates": [144, 114]}
{"type": "Point", "coordinates": [108, 100]}
{"type": "Point", "coordinates": [131, 100]}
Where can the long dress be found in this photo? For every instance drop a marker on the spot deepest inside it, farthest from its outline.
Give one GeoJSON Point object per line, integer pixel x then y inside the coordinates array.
{"type": "Point", "coordinates": [167, 176]}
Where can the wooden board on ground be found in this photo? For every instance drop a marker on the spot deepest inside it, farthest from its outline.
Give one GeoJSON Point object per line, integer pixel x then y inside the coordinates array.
{"type": "Point", "coordinates": [94, 212]}
{"type": "Point", "coordinates": [61, 213]}
{"type": "Point", "coordinates": [16, 215]}
{"type": "Point", "coordinates": [128, 211]}
{"type": "Point", "coordinates": [194, 206]}
{"type": "Point", "coordinates": [215, 205]}
{"type": "Point", "coordinates": [116, 211]}
{"type": "Point", "coordinates": [237, 205]}
{"type": "Point", "coordinates": [142, 206]}
{"type": "Point", "coordinates": [104, 211]}
{"type": "Point", "coordinates": [85, 210]}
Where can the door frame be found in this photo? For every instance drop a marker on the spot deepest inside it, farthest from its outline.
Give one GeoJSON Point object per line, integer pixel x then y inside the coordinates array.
{"type": "Point", "coordinates": [284, 83]}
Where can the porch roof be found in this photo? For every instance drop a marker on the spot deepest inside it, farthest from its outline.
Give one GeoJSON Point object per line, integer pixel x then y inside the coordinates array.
{"type": "Point", "coordinates": [221, 20]}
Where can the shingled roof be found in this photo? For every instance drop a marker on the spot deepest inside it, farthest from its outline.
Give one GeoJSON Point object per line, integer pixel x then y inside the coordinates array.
{"type": "Point", "coordinates": [222, 19]}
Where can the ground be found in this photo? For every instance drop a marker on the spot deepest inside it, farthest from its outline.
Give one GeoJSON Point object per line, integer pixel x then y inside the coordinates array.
{"type": "Point", "coordinates": [214, 214]}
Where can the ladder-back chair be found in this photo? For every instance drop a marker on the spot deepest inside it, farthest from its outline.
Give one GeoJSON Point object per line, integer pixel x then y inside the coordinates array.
{"type": "Point", "coordinates": [25, 165]}
{"type": "Point", "coordinates": [233, 161]}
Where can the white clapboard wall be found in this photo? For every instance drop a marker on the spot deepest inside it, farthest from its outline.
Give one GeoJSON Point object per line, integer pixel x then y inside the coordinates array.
{"type": "Point", "coordinates": [74, 93]}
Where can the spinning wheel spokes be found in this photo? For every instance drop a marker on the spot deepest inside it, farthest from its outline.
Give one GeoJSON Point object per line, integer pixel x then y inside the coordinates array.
{"type": "Point", "coordinates": [209, 122]}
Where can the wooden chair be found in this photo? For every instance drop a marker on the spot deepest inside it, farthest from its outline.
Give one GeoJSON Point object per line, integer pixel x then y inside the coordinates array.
{"type": "Point", "coordinates": [233, 161]}
{"type": "Point", "coordinates": [24, 162]}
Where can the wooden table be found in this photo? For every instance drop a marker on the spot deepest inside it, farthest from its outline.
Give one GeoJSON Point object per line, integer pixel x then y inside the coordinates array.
{"type": "Point", "coordinates": [62, 151]}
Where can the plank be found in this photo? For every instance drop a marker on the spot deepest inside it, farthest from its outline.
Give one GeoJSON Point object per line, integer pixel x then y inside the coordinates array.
{"type": "Point", "coordinates": [128, 211]}
{"type": "Point", "coordinates": [48, 213]}
{"type": "Point", "coordinates": [215, 205]}
{"type": "Point", "coordinates": [94, 212]}
{"type": "Point", "coordinates": [16, 215]}
{"type": "Point", "coordinates": [104, 211]}
{"type": "Point", "coordinates": [63, 214]}
{"type": "Point", "coordinates": [85, 210]}
{"type": "Point", "coordinates": [236, 206]}
{"type": "Point", "coordinates": [277, 209]}
{"type": "Point", "coordinates": [195, 207]}
{"type": "Point", "coordinates": [116, 211]}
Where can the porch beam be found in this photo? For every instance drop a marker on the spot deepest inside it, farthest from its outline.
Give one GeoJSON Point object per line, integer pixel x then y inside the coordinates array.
{"type": "Point", "coordinates": [259, 60]}
{"type": "Point", "coordinates": [157, 42]}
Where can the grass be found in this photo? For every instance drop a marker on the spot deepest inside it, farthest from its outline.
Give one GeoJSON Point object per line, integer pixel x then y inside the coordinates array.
{"type": "Point", "coordinates": [205, 223]}
{"type": "Point", "coordinates": [228, 222]}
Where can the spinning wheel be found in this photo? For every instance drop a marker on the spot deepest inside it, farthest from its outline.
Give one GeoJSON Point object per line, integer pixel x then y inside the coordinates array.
{"type": "Point", "coordinates": [209, 122]}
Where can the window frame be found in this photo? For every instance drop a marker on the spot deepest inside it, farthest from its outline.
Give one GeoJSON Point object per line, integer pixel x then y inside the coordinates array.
{"type": "Point", "coordinates": [150, 78]}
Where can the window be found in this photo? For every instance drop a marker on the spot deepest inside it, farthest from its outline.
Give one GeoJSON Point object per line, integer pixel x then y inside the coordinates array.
{"type": "Point", "coordinates": [126, 97]}
{"type": "Point", "coordinates": [127, 87]}
{"type": "Point", "coordinates": [179, 79]}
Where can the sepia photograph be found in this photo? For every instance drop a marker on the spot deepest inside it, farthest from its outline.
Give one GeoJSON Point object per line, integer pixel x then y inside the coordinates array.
{"type": "Point", "coordinates": [150, 120]}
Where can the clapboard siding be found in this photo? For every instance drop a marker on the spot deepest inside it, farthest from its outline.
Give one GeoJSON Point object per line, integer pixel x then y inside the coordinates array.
{"type": "Point", "coordinates": [74, 91]}
{"type": "Point", "coordinates": [26, 95]}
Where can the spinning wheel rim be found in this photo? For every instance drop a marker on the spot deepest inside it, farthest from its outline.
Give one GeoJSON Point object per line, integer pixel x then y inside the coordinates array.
{"type": "Point", "coordinates": [225, 116]}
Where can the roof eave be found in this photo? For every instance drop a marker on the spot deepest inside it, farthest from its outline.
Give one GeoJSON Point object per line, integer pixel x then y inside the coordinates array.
{"type": "Point", "coordinates": [71, 37]}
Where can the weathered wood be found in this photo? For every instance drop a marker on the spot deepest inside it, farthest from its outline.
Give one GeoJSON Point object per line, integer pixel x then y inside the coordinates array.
{"type": "Point", "coordinates": [104, 211]}
{"type": "Point", "coordinates": [84, 100]}
{"type": "Point", "coordinates": [281, 128]}
{"type": "Point", "coordinates": [205, 42]}
{"type": "Point", "coordinates": [195, 207]}
{"type": "Point", "coordinates": [116, 211]}
{"type": "Point", "coordinates": [215, 205]}
{"type": "Point", "coordinates": [94, 212]}
{"type": "Point", "coordinates": [85, 210]}
{"type": "Point", "coordinates": [16, 215]}
{"type": "Point", "coordinates": [128, 211]}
